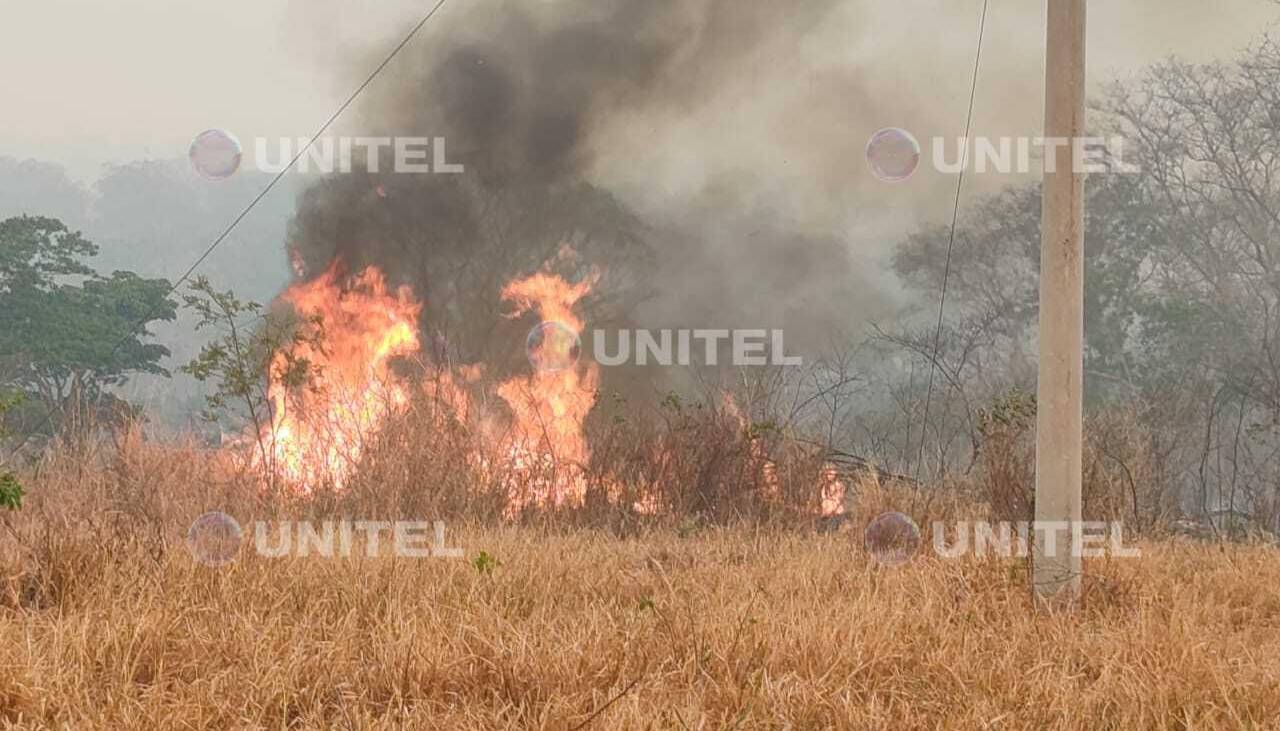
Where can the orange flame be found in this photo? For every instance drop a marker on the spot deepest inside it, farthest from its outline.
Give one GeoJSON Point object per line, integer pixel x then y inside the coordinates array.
{"type": "Point", "coordinates": [759, 458]}
{"type": "Point", "coordinates": [548, 448]}
{"type": "Point", "coordinates": [832, 489]}
{"type": "Point", "coordinates": [319, 431]}
{"type": "Point", "coordinates": [833, 493]}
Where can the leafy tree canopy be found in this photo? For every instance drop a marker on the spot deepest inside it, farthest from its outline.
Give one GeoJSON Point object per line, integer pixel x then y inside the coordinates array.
{"type": "Point", "coordinates": [66, 331]}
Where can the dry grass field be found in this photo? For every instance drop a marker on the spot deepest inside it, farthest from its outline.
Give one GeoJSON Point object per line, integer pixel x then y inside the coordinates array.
{"type": "Point", "coordinates": [107, 622]}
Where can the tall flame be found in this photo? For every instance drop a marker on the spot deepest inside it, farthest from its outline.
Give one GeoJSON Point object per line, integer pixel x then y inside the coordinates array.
{"type": "Point", "coordinates": [319, 431]}
{"type": "Point", "coordinates": [548, 448]}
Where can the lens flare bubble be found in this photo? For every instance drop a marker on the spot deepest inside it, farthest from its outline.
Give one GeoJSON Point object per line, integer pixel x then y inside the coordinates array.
{"type": "Point", "coordinates": [552, 346]}
{"type": "Point", "coordinates": [893, 154]}
{"type": "Point", "coordinates": [214, 539]}
{"type": "Point", "coordinates": [892, 538]}
{"type": "Point", "coordinates": [215, 154]}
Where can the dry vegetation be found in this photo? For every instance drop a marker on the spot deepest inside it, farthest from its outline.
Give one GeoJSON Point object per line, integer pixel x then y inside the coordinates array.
{"type": "Point", "coordinates": [107, 622]}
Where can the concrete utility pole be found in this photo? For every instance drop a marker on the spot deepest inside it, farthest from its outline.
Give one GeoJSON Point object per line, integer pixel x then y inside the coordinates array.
{"type": "Point", "coordinates": [1059, 417]}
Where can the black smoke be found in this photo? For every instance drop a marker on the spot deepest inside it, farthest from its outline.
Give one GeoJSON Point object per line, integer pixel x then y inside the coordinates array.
{"type": "Point", "coordinates": [523, 94]}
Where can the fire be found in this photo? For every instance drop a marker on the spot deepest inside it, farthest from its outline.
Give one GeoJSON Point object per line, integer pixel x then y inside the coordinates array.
{"type": "Point", "coordinates": [548, 447]}
{"type": "Point", "coordinates": [759, 458]}
{"type": "Point", "coordinates": [319, 430]}
{"type": "Point", "coordinates": [833, 493]}
{"type": "Point", "coordinates": [832, 489]}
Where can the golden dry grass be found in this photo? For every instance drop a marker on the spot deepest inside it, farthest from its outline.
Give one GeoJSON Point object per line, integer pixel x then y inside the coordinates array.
{"type": "Point", "coordinates": [107, 624]}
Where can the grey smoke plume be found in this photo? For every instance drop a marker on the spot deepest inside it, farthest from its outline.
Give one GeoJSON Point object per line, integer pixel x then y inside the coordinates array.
{"type": "Point", "coordinates": [531, 98]}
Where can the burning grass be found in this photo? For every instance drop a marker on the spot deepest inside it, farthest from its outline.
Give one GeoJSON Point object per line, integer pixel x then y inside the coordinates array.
{"type": "Point", "coordinates": [106, 622]}
{"type": "Point", "coordinates": [675, 570]}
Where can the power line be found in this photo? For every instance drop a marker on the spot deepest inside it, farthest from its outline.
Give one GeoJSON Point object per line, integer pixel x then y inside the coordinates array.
{"type": "Point", "coordinates": [951, 240]}
{"type": "Point", "coordinates": [132, 330]}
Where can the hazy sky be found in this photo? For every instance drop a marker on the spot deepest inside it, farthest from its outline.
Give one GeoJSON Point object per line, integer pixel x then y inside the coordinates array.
{"type": "Point", "coordinates": [87, 83]}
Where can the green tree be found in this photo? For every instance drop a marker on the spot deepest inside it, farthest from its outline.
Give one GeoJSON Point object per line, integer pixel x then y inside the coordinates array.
{"type": "Point", "coordinates": [67, 332]}
{"type": "Point", "coordinates": [10, 489]}
{"type": "Point", "coordinates": [254, 351]}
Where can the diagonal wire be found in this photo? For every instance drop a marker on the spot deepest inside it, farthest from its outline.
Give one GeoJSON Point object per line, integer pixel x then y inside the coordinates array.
{"type": "Point", "coordinates": [323, 128]}
{"type": "Point", "coordinates": [951, 240]}
{"type": "Point", "coordinates": [132, 330]}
